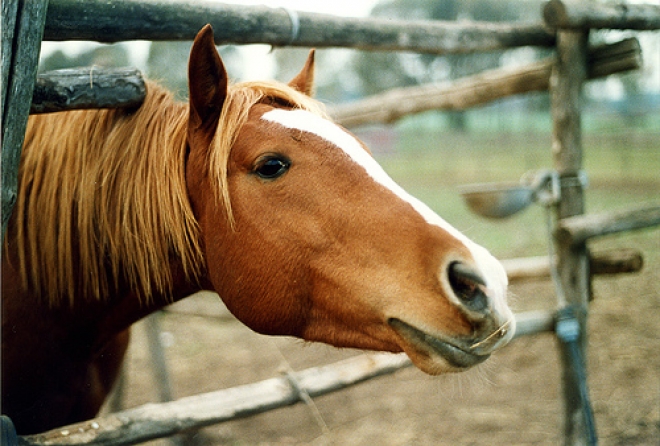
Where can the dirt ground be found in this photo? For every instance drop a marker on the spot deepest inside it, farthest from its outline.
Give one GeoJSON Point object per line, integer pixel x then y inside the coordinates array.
{"type": "Point", "coordinates": [514, 398]}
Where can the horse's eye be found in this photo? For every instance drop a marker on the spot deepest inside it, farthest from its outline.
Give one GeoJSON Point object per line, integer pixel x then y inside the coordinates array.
{"type": "Point", "coordinates": [272, 167]}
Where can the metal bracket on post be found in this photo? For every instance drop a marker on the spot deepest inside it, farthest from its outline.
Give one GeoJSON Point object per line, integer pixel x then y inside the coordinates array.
{"type": "Point", "coordinates": [567, 329]}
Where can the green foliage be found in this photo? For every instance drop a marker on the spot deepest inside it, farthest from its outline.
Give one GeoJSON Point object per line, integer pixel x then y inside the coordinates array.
{"type": "Point", "coordinates": [383, 71]}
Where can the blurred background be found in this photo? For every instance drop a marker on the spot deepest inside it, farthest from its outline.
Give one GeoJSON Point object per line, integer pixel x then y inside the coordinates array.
{"type": "Point", "coordinates": [515, 398]}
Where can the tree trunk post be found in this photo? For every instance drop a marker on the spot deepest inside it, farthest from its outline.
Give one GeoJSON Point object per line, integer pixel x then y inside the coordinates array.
{"type": "Point", "coordinates": [22, 30]}
{"type": "Point", "coordinates": [567, 78]}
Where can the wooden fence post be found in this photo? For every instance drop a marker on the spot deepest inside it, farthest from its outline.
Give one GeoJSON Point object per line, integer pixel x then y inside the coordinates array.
{"type": "Point", "coordinates": [572, 261]}
{"type": "Point", "coordinates": [22, 30]}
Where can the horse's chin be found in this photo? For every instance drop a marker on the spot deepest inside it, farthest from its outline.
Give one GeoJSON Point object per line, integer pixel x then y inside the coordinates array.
{"type": "Point", "coordinates": [432, 354]}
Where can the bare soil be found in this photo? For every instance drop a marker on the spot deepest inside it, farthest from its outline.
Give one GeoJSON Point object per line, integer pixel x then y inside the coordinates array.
{"type": "Point", "coordinates": [514, 398]}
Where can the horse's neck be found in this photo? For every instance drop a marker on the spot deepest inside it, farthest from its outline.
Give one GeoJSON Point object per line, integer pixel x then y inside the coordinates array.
{"type": "Point", "coordinates": [125, 308]}
{"type": "Point", "coordinates": [96, 320]}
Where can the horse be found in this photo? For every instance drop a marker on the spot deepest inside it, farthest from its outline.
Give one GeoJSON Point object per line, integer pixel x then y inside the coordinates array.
{"type": "Point", "coordinates": [248, 190]}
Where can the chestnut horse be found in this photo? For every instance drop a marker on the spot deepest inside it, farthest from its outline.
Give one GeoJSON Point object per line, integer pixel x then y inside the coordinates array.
{"type": "Point", "coordinates": [248, 190]}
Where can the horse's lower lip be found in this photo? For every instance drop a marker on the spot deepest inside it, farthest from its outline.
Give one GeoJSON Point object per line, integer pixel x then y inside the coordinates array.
{"type": "Point", "coordinates": [455, 355]}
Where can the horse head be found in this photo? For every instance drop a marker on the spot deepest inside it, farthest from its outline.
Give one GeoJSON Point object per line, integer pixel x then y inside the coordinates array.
{"type": "Point", "coordinates": [315, 240]}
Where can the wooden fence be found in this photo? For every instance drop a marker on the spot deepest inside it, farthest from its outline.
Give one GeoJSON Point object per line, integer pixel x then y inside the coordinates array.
{"type": "Point", "coordinates": [25, 23]}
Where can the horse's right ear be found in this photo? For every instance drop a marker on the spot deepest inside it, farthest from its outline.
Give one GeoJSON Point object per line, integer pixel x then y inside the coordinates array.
{"type": "Point", "coordinates": [207, 83]}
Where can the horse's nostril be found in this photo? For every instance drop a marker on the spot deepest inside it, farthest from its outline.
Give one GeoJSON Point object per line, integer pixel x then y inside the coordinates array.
{"type": "Point", "coordinates": [468, 286]}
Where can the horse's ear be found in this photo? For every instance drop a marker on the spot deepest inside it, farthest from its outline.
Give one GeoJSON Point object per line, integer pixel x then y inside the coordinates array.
{"type": "Point", "coordinates": [304, 81]}
{"type": "Point", "coordinates": [207, 83]}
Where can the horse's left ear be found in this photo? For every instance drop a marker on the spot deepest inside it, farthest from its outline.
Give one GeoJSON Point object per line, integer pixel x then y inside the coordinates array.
{"type": "Point", "coordinates": [304, 81]}
{"type": "Point", "coordinates": [207, 84]}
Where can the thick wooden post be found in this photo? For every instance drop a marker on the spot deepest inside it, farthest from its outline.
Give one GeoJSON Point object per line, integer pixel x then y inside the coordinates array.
{"type": "Point", "coordinates": [22, 30]}
{"type": "Point", "coordinates": [572, 260]}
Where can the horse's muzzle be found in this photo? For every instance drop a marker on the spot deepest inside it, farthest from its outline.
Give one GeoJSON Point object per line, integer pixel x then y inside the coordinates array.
{"type": "Point", "coordinates": [457, 353]}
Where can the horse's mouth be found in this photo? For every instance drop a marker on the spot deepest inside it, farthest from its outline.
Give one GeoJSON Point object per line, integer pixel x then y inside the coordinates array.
{"type": "Point", "coordinates": [457, 356]}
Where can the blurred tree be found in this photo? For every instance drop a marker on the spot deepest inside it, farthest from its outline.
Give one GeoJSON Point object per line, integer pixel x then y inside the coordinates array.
{"type": "Point", "coordinates": [382, 71]}
{"type": "Point", "coordinates": [167, 64]}
{"type": "Point", "coordinates": [56, 60]}
{"type": "Point", "coordinates": [332, 82]}
{"type": "Point", "coordinates": [102, 55]}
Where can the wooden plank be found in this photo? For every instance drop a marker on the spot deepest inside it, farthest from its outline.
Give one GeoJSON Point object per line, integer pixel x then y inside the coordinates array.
{"type": "Point", "coordinates": [481, 88]}
{"type": "Point", "coordinates": [579, 229]}
{"type": "Point", "coordinates": [161, 420]}
{"type": "Point", "coordinates": [604, 60]}
{"type": "Point", "coordinates": [120, 20]}
{"type": "Point", "coordinates": [83, 88]}
{"type": "Point", "coordinates": [20, 57]}
{"type": "Point", "coordinates": [534, 322]}
{"type": "Point", "coordinates": [575, 14]}
{"type": "Point", "coordinates": [459, 95]}
{"type": "Point", "coordinates": [616, 261]}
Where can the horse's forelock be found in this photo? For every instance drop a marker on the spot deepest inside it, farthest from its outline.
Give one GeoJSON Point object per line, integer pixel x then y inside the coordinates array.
{"type": "Point", "coordinates": [240, 98]}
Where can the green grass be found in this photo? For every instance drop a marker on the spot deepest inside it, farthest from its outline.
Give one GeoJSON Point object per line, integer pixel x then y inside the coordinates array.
{"type": "Point", "coordinates": [623, 170]}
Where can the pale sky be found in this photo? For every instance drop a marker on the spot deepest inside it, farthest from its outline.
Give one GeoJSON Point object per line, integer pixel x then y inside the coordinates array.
{"type": "Point", "coordinates": [346, 8]}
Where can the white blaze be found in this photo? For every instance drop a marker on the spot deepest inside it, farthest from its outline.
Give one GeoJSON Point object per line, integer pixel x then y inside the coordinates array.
{"type": "Point", "coordinates": [308, 122]}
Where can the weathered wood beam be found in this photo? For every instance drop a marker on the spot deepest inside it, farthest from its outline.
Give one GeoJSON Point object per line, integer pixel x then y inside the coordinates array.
{"type": "Point", "coordinates": [534, 322]}
{"type": "Point", "coordinates": [481, 88]}
{"type": "Point", "coordinates": [120, 20]}
{"type": "Point", "coordinates": [22, 30]}
{"type": "Point", "coordinates": [578, 229]}
{"type": "Point", "coordinates": [616, 261]}
{"type": "Point", "coordinates": [84, 88]}
{"type": "Point", "coordinates": [161, 420]}
{"type": "Point", "coordinates": [573, 14]}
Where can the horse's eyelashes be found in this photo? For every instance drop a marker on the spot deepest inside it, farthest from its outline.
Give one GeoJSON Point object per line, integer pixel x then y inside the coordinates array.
{"type": "Point", "coordinates": [272, 167]}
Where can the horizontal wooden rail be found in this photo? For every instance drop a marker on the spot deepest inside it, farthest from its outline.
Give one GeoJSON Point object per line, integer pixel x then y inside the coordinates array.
{"type": "Point", "coordinates": [577, 230]}
{"type": "Point", "coordinates": [165, 419]}
{"type": "Point", "coordinates": [153, 421]}
{"type": "Point", "coordinates": [572, 14]}
{"type": "Point", "coordinates": [534, 322]}
{"type": "Point", "coordinates": [99, 87]}
{"type": "Point", "coordinates": [615, 261]}
{"type": "Point", "coordinates": [481, 88]}
{"type": "Point", "coordinates": [120, 20]}
{"type": "Point", "coordinates": [87, 88]}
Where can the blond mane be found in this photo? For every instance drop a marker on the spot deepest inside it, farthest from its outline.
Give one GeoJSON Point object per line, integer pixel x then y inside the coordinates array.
{"type": "Point", "coordinates": [102, 194]}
